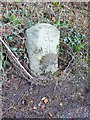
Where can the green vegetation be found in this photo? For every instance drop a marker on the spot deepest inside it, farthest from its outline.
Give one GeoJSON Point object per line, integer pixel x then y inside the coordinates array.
{"type": "Point", "coordinates": [74, 40]}
{"type": "Point", "coordinates": [63, 24]}
{"type": "Point", "coordinates": [13, 19]}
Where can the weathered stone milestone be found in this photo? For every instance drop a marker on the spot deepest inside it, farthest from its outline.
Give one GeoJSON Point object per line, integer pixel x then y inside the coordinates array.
{"type": "Point", "coordinates": [42, 41]}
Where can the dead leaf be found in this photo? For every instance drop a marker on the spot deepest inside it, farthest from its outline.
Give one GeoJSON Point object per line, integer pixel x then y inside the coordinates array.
{"type": "Point", "coordinates": [45, 101]}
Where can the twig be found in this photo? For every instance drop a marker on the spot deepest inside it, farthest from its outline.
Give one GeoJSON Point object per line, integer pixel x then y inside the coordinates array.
{"type": "Point", "coordinates": [69, 64]}
{"type": "Point", "coordinates": [15, 59]}
{"type": "Point", "coordinates": [64, 72]}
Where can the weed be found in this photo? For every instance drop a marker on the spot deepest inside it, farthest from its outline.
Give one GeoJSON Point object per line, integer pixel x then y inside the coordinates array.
{"type": "Point", "coordinates": [74, 40]}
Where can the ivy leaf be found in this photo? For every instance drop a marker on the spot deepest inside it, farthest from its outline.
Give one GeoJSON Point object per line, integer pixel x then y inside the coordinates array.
{"type": "Point", "coordinates": [79, 47]}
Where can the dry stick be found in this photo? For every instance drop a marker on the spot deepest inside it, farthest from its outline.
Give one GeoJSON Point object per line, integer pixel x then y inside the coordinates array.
{"type": "Point", "coordinates": [16, 60]}
{"type": "Point", "coordinates": [64, 72]}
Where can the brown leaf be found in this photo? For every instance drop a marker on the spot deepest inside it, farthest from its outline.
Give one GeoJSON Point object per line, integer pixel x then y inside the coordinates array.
{"type": "Point", "coordinates": [45, 101]}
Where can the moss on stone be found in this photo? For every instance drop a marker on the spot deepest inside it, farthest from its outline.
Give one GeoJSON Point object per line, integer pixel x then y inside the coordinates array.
{"type": "Point", "coordinates": [42, 60]}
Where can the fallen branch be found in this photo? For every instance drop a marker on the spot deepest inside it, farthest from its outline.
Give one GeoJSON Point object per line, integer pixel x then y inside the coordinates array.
{"type": "Point", "coordinates": [16, 62]}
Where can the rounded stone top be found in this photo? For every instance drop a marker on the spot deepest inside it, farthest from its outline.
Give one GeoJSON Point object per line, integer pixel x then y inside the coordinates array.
{"type": "Point", "coordinates": [42, 41]}
{"type": "Point", "coordinates": [43, 25]}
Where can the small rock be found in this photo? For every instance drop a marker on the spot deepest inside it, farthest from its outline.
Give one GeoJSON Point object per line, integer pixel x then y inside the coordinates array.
{"type": "Point", "coordinates": [34, 108]}
{"type": "Point", "coordinates": [50, 115]}
{"type": "Point", "coordinates": [61, 104]}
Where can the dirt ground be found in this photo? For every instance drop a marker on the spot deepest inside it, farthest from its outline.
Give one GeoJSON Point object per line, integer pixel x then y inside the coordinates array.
{"type": "Point", "coordinates": [65, 97]}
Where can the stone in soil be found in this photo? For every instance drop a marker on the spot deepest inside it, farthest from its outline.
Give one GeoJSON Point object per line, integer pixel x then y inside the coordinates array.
{"type": "Point", "coordinates": [42, 46]}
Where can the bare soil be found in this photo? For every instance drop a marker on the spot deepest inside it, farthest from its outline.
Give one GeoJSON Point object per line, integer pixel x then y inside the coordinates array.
{"type": "Point", "coordinates": [59, 97]}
